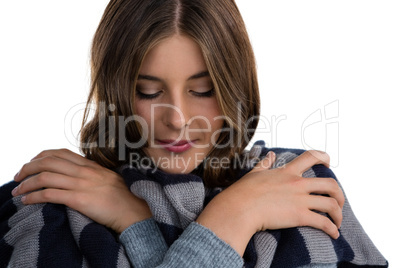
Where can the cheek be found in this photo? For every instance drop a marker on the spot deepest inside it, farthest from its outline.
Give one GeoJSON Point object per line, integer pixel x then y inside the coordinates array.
{"type": "Point", "coordinates": [215, 111]}
{"type": "Point", "coordinates": [213, 114]}
{"type": "Point", "coordinates": [143, 111]}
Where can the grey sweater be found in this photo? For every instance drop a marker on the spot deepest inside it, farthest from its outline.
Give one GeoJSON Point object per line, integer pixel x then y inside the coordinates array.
{"type": "Point", "coordinates": [196, 247]}
{"type": "Point", "coordinates": [51, 235]}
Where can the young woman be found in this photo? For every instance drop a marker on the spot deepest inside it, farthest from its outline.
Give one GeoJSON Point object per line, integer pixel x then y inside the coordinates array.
{"type": "Point", "coordinates": [177, 102]}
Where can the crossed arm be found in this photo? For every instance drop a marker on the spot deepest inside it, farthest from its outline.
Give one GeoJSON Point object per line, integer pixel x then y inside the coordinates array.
{"type": "Point", "coordinates": [61, 176]}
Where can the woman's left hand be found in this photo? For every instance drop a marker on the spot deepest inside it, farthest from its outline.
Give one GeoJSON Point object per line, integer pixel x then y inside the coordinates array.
{"type": "Point", "coordinates": [64, 177]}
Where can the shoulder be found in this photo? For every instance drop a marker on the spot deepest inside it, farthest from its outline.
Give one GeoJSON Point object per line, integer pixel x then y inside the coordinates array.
{"type": "Point", "coordinates": [258, 149]}
{"type": "Point", "coordinates": [283, 156]}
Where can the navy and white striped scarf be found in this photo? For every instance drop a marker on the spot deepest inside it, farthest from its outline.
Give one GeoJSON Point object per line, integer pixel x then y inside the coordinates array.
{"type": "Point", "coordinates": [51, 235]}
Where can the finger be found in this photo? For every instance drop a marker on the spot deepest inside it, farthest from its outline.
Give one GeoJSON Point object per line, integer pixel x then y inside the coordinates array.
{"type": "Point", "coordinates": [321, 222]}
{"type": "Point", "coordinates": [328, 205]}
{"type": "Point", "coordinates": [67, 155]}
{"type": "Point", "coordinates": [45, 180]}
{"type": "Point", "coordinates": [306, 160]}
{"type": "Point", "coordinates": [51, 164]}
{"type": "Point", "coordinates": [55, 196]}
{"type": "Point", "coordinates": [327, 186]}
{"type": "Point", "coordinates": [266, 163]}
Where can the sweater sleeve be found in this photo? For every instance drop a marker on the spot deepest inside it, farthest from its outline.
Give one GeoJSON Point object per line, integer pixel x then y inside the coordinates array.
{"type": "Point", "coordinates": [144, 244]}
{"type": "Point", "coordinates": [196, 247]}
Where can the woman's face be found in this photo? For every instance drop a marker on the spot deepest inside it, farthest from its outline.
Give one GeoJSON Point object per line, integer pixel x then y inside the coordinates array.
{"type": "Point", "coordinates": [176, 98]}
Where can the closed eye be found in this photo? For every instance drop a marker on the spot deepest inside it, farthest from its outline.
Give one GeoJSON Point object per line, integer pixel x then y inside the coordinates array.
{"type": "Point", "coordinates": [147, 96]}
{"type": "Point", "coordinates": [207, 94]}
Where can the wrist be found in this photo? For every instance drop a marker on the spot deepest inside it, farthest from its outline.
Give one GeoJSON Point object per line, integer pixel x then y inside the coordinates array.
{"type": "Point", "coordinates": [229, 220]}
{"type": "Point", "coordinates": [134, 215]}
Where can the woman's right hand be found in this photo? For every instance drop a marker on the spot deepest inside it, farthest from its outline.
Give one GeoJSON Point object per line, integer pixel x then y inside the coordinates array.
{"type": "Point", "coordinates": [277, 198]}
{"type": "Point", "coordinates": [64, 177]}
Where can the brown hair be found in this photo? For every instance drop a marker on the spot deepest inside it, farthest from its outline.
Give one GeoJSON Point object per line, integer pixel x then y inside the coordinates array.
{"type": "Point", "coordinates": [127, 31]}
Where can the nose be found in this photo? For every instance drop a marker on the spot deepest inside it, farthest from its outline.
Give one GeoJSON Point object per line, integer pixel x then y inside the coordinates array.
{"type": "Point", "coordinates": [175, 114]}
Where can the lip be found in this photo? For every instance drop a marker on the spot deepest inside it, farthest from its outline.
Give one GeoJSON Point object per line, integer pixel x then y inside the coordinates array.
{"type": "Point", "coordinates": [176, 146]}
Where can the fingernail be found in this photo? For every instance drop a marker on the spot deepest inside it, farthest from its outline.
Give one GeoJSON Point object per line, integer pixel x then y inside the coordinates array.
{"type": "Point", "coordinates": [14, 191]}
{"type": "Point", "coordinates": [270, 154]}
{"type": "Point", "coordinates": [16, 175]}
{"type": "Point", "coordinates": [23, 199]}
{"type": "Point", "coordinates": [338, 235]}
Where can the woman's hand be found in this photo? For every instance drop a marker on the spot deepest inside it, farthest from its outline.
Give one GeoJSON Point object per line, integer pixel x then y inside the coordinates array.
{"type": "Point", "coordinates": [64, 177]}
{"type": "Point", "coordinates": [278, 198]}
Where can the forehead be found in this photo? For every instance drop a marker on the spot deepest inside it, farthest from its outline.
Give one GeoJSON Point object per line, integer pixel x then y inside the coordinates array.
{"type": "Point", "coordinates": [177, 56]}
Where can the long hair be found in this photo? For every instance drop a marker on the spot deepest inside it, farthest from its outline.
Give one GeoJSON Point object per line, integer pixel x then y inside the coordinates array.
{"type": "Point", "coordinates": [127, 31]}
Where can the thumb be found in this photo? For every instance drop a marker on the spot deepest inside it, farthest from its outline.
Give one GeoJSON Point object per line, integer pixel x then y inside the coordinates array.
{"type": "Point", "coordinates": [266, 163]}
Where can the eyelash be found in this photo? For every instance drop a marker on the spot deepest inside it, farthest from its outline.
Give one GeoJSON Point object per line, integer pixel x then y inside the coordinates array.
{"type": "Point", "coordinates": [207, 94]}
{"type": "Point", "coordinates": [146, 96]}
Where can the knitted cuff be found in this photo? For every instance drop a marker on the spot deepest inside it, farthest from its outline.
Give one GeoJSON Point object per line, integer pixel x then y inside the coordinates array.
{"type": "Point", "coordinates": [144, 243]}
{"type": "Point", "coordinates": [198, 246]}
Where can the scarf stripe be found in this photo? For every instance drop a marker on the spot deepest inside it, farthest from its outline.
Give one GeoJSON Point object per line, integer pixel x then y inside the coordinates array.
{"type": "Point", "coordinates": [56, 237]}
{"type": "Point", "coordinates": [49, 235]}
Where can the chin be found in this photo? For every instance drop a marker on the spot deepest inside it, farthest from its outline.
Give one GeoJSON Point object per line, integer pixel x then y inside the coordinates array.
{"type": "Point", "coordinates": [172, 163]}
{"type": "Point", "coordinates": [177, 170]}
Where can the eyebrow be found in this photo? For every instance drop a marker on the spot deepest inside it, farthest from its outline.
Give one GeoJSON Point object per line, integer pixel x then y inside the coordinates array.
{"type": "Point", "coordinates": [157, 79]}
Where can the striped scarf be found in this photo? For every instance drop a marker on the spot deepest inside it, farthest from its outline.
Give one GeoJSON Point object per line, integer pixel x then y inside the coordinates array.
{"type": "Point", "coordinates": [51, 235]}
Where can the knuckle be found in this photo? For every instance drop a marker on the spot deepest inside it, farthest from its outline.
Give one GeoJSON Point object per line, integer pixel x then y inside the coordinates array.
{"type": "Point", "coordinates": [333, 205]}
{"type": "Point", "coordinates": [47, 161]}
{"type": "Point", "coordinates": [47, 195]}
{"type": "Point", "coordinates": [340, 216]}
{"type": "Point", "coordinates": [321, 155]}
{"type": "Point", "coordinates": [86, 171]}
{"type": "Point", "coordinates": [21, 187]}
{"type": "Point", "coordinates": [43, 154]}
{"type": "Point", "coordinates": [42, 178]}
{"type": "Point", "coordinates": [337, 191]}
{"type": "Point", "coordinates": [327, 226]}
{"type": "Point", "coordinates": [24, 167]}
{"type": "Point", "coordinates": [90, 175]}
{"type": "Point", "coordinates": [312, 152]}
{"type": "Point", "coordinates": [43, 162]}
{"type": "Point", "coordinates": [333, 183]}
{"type": "Point", "coordinates": [343, 200]}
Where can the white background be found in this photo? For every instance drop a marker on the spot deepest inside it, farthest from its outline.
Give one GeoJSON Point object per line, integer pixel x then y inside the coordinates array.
{"type": "Point", "coordinates": [329, 71]}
